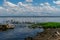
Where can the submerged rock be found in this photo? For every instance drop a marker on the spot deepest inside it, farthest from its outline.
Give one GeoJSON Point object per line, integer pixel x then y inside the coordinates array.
{"type": "Point", "coordinates": [29, 38]}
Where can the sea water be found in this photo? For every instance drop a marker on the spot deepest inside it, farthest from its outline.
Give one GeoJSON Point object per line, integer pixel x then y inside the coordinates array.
{"type": "Point", "coordinates": [19, 33]}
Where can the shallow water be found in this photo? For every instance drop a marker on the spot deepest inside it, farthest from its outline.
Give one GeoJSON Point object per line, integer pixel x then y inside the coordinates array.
{"type": "Point", "coordinates": [18, 33]}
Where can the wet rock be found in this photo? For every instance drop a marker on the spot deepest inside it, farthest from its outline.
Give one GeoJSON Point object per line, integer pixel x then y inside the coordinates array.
{"type": "Point", "coordinates": [29, 38]}
{"type": "Point", "coordinates": [48, 34]}
{"type": "Point", "coordinates": [6, 26]}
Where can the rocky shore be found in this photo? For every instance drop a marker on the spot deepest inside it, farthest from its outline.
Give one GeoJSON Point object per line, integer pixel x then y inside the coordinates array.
{"type": "Point", "coordinates": [47, 34]}
{"type": "Point", "coordinates": [4, 27]}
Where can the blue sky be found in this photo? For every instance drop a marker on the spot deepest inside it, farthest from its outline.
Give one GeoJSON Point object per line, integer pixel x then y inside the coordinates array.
{"type": "Point", "coordinates": [30, 8]}
{"type": "Point", "coordinates": [34, 1]}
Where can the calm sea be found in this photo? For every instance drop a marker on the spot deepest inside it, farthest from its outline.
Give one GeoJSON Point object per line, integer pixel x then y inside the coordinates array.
{"type": "Point", "coordinates": [19, 33]}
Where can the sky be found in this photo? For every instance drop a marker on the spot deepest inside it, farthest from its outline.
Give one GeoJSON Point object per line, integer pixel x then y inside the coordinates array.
{"type": "Point", "coordinates": [29, 7]}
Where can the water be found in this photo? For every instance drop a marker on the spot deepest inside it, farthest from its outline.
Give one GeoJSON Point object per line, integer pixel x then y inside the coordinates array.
{"type": "Point", "coordinates": [28, 19]}
{"type": "Point", "coordinates": [19, 33]}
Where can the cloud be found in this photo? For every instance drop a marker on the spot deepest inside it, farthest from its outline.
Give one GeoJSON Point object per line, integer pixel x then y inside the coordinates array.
{"type": "Point", "coordinates": [29, 0]}
{"type": "Point", "coordinates": [57, 2]}
{"type": "Point", "coordinates": [3, 11]}
{"type": "Point", "coordinates": [47, 7]}
{"type": "Point", "coordinates": [9, 4]}
{"type": "Point", "coordinates": [22, 9]}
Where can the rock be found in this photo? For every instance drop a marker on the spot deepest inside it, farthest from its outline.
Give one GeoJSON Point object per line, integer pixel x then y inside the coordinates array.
{"type": "Point", "coordinates": [6, 26]}
{"type": "Point", "coordinates": [48, 34]}
{"type": "Point", "coordinates": [10, 26]}
{"type": "Point", "coordinates": [29, 38]}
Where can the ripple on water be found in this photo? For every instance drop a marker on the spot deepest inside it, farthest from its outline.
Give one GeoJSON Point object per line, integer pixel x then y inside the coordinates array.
{"type": "Point", "coordinates": [19, 33]}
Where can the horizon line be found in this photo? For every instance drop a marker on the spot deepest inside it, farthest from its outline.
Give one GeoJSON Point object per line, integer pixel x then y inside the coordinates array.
{"type": "Point", "coordinates": [30, 16]}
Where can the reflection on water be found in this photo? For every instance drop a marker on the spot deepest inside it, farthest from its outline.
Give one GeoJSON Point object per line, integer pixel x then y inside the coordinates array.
{"type": "Point", "coordinates": [43, 19]}
{"type": "Point", "coordinates": [19, 33]}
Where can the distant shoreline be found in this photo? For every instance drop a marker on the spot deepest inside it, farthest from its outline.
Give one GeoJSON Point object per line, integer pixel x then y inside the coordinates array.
{"type": "Point", "coordinates": [31, 16]}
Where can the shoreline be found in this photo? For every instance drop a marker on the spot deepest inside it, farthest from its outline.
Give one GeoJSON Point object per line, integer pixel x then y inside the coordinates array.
{"type": "Point", "coordinates": [48, 34]}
